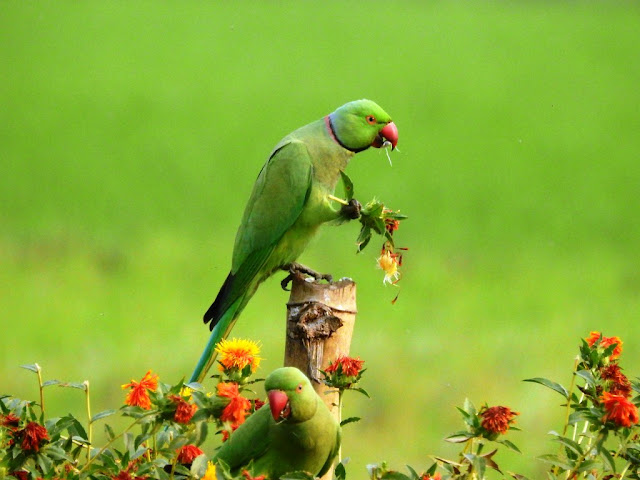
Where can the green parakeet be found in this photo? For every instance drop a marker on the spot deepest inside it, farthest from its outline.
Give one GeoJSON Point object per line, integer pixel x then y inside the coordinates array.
{"type": "Point", "coordinates": [289, 201]}
{"type": "Point", "coordinates": [295, 431]}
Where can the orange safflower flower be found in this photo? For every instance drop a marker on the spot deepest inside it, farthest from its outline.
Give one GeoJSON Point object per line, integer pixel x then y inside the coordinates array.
{"type": "Point", "coordinates": [238, 407]}
{"type": "Point", "coordinates": [351, 367]}
{"type": "Point", "coordinates": [188, 453]}
{"type": "Point", "coordinates": [426, 476]}
{"type": "Point", "coordinates": [138, 396]}
{"type": "Point", "coordinates": [619, 410]}
{"type": "Point", "coordinates": [497, 419]}
{"type": "Point", "coordinates": [184, 410]}
{"type": "Point", "coordinates": [606, 342]}
{"type": "Point", "coordinates": [32, 436]}
{"type": "Point", "coordinates": [238, 353]}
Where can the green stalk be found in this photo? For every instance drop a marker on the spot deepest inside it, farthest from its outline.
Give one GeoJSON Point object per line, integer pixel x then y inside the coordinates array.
{"type": "Point", "coordinates": [39, 373]}
{"type": "Point", "coordinates": [340, 393]}
{"type": "Point", "coordinates": [90, 424]}
{"type": "Point", "coordinates": [110, 442]}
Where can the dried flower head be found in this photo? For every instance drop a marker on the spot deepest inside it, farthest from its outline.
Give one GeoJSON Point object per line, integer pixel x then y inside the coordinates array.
{"type": "Point", "coordinates": [32, 436]}
{"type": "Point", "coordinates": [389, 262]}
{"type": "Point", "coordinates": [138, 396]}
{"type": "Point", "coordinates": [619, 410]}
{"type": "Point", "coordinates": [616, 382]}
{"type": "Point", "coordinates": [497, 419]}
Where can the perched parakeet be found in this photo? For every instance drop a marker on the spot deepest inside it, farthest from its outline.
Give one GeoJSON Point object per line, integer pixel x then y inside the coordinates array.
{"type": "Point", "coordinates": [294, 432]}
{"type": "Point", "coordinates": [289, 201]}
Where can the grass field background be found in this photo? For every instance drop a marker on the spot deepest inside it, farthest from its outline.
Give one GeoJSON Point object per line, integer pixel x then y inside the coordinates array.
{"type": "Point", "coordinates": [131, 134]}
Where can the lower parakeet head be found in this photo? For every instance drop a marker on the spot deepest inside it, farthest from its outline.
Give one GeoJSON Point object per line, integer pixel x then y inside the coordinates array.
{"type": "Point", "coordinates": [361, 124]}
{"type": "Point", "coordinates": [291, 395]}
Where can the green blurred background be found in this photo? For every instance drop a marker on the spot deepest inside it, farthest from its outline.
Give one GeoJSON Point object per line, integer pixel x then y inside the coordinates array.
{"type": "Point", "coordinates": [131, 134]}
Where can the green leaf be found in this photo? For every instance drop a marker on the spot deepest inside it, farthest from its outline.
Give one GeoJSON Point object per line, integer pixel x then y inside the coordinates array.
{"type": "Point", "coordinates": [588, 465]}
{"type": "Point", "coordinates": [459, 437]}
{"type": "Point", "coordinates": [567, 442]}
{"type": "Point", "coordinates": [361, 390]}
{"type": "Point", "coordinates": [199, 466]}
{"type": "Point", "coordinates": [608, 459]}
{"type": "Point", "coordinates": [347, 184]}
{"type": "Point", "coordinates": [349, 420]}
{"type": "Point", "coordinates": [394, 475]}
{"type": "Point", "coordinates": [552, 385]}
{"type": "Point", "coordinates": [79, 386]}
{"type": "Point", "coordinates": [51, 382]}
{"type": "Point", "coordinates": [510, 445]}
{"type": "Point", "coordinates": [44, 462]}
{"type": "Point", "coordinates": [555, 460]}
{"type": "Point", "coordinates": [34, 367]}
{"type": "Point", "coordinates": [103, 414]}
{"type": "Point", "coordinates": [109, 431]}
{"type": "Point", "coordinates": [340, 473]}
{"type": "Point", "coordinates": [587, 376]}
{"type": "Point", "coordinates": [414, 474]}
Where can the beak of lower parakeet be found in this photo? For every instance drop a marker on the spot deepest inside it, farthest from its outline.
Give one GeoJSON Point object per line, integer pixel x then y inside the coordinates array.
{"type": "Point", "coordinates": [388, 135]}
{"type": "Point", "coordinates": [279, 405]}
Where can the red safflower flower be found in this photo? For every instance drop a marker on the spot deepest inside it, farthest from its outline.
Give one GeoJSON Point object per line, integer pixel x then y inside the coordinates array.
{"type": "Point", "coordinates": [618, 383]}
{"type": "Point", "coordinates": [606, 342]}
{"type": "Point", "coordinates": [188, 453]}
{"type": "Point", "coordinates": [497, 419]}
{"type": "Point", "coordinates": [247, 475]}
{"type": "Point", "coordinates": [350, 367]}
{"type": "Point", "coordinates": [138, 396]}
{"type": "Point", "coordinates": [238, 407]}
{"type": "Point", "coordinates": [619, 410]}
{"type": "Point", "coordinates": [32, 436]}
{"type": "Point", "coordinates": [10, 421]}
{"type": "Point", "coordinates": [257, 404]}
{"type": "Point", "coordinates": [226, 433]}
{"type": "Point", "coordinates": [184, 410]}
{"type": "Point", "coordinates": [20, 475]}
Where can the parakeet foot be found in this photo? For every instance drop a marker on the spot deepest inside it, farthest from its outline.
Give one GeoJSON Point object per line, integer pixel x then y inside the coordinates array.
{"type": "Point", "coordinates": [299, 270]}
{"type": "Point", "coordinates": [352, 209]}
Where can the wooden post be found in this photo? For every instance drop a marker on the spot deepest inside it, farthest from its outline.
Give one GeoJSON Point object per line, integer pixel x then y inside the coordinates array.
{"type": "Point", "coordinates": [320, 320]}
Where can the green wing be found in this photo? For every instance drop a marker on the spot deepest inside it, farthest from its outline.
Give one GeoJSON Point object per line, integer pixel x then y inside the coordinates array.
{"type": "Point", "coordinates": [278, 197]}
{"type": "Point", "coordinates": [249, 442]}
{"type": "Point", "coordinates": [332, 456]}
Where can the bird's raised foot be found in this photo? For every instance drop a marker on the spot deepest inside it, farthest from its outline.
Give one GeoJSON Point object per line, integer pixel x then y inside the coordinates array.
{"type": "Point", "coordinates": [351, 210]}
{"type": "Point", "coordinates": [299, 270]}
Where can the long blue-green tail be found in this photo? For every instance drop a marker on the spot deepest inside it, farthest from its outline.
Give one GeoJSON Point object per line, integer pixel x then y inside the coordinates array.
{"type": "Point", "coordinates": [220, 332]}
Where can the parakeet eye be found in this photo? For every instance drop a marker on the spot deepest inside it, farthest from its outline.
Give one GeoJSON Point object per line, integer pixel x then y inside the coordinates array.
{"type": "Point", "coordinates": [299, 388]}
{"type": "Point", "coordinates": [371, 119]}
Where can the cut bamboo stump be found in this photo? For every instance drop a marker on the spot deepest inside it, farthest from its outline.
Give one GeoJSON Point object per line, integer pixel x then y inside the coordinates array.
{"type": "Point", "coordinates": [320, 320]}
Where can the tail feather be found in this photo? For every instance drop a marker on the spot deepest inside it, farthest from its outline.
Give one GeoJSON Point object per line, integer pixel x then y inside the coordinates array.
{"type": "Point", "coordinates": [223, 326]}
{"type": "Point", "coordinates": [221, 304]}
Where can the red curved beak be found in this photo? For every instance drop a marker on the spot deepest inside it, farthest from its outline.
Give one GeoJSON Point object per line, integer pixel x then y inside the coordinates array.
{"type": "Point", "coordinates": [279, 404]}
{"type": "Point", "coordinates": [388, 134]}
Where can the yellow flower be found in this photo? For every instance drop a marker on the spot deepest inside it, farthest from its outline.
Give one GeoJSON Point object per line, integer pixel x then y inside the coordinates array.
{"type": "Point", "coordinates": [238, 353]}
{"type": "Point", "coordinates": [210, 474]}
{"type": "Point", "coordinates": [388, 262]}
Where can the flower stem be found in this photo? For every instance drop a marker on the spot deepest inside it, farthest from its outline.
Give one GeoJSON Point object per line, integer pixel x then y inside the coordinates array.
{"type": "Point", "coordinates": [569, 395]}
{"type": "Point", "coordinates": [39, 373]}
{"type": "Point", "coordinates": [90, 423]}
{"type": "Point", "coordinates": [110, 442]}
{"type": "Point", "coordinates": [340, 393]}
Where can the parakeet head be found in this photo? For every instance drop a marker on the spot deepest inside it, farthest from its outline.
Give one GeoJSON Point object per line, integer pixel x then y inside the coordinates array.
{"type": "Point", "coordinates": [291, 396]}
{"type": "Point", "coordinates": [361, 124]}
